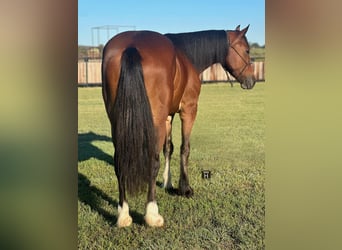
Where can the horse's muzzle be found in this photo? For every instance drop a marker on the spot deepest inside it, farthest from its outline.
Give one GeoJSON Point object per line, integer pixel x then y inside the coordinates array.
{"type": "Point", "coordinates": [248, 83]}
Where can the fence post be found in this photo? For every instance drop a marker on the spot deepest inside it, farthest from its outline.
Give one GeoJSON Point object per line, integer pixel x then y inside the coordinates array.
{"type": "Point", "coordinates": [86, 59]}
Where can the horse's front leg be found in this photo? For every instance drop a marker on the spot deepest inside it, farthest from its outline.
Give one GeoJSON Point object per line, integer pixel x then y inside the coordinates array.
{"type": "Point", "coordinates": [187, 117]}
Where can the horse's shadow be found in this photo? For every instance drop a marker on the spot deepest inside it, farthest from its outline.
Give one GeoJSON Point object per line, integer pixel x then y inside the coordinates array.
{"type": "Point", "coordinates": [92, 196]}
{"type": "Point", "coordinates": [87, 150]}
{"type": "Point", "coordinates": [89, 194]}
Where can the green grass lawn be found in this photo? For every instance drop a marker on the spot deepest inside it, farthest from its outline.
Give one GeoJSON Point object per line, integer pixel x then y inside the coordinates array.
{"type": "Point", "coordinates": [226, 211]}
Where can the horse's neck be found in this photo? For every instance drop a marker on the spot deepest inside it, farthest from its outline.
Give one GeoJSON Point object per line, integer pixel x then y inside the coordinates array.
{"type": "Point", "coordinates": [203, 48]}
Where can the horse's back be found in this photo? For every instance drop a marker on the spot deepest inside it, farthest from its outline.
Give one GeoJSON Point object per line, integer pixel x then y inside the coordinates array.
{"type": "Point", "coordinates": [148, 43]}
{"type": "Point", "coordinates": [158, 63]}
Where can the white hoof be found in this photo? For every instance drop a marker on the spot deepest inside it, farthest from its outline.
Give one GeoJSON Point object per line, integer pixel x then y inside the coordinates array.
{"type": "Point", "coordinates": [167, 185]}
{"type": "Point", "coordinates": [152, 217]}
{"type": "Point", "coordinates": [167, 176]}
{"type": "Point", "coordinates": [124, 220]}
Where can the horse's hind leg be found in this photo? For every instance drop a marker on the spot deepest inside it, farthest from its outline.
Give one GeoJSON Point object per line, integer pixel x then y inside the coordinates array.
{"type": "Point", "coordinates": [168, 150]}
{"type": "Point", "coordinates": [152, 216]}
{"type": "Point", "coordinates": [124, 219]}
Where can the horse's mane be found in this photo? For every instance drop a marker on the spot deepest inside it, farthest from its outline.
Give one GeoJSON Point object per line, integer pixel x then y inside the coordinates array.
{"type": "Point", "coordinates": [203, 48]}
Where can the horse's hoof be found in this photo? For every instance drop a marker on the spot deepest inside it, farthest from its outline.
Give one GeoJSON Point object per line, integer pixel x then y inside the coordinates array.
{"type": "Point", "coordinates": [154, 220]}
{"type": "Point", "coordinates": [124, 220]}
{"type": "Point", "coordinates": [152, 217]}
{"type": "Point", "coordinates": [167, 186]}
{"type": "Point", "coordinates": [172, 191]}
{"type": "Point", "coordinates": [186, 191]}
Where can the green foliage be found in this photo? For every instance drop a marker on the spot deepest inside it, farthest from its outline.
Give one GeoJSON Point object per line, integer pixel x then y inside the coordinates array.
{"type": "Point", "coordinates": [82, 51]}
{"type": "Point", "coordinates": [258, 53]}
{"type": "Point", "coordinates": [226, 212]}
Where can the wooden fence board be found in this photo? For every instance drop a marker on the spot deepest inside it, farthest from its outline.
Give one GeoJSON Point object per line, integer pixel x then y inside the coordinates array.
{"type": "Point", "coordinates": [211, 74]}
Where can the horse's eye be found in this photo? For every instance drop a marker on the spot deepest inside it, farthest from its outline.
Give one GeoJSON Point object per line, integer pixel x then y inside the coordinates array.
{"type": "Point", "coordinates": [247, 51]}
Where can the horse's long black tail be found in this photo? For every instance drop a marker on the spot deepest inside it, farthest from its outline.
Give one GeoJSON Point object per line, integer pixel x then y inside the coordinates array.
{"type": "Point", "coordinates": [132, 125]}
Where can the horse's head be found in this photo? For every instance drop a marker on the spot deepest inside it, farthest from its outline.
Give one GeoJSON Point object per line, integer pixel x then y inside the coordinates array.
{"type": "Point", "coordinates": [238, 61]}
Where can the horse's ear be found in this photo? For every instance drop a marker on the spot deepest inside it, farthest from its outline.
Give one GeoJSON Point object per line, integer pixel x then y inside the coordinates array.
{"type": "Point", "coordinates": [244, 31]}
{"type": "Point", "coordinates": [240, 34]}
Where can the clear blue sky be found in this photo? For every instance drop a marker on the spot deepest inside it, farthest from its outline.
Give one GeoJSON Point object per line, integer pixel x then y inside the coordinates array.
{"type": "Point", "coordinates": [173, 16]}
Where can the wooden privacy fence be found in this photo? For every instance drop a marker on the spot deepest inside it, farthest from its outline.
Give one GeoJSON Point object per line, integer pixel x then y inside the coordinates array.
{"type": "Point", "coordinates": [216, 73]}
{"type": "Point", "coordinates": [89, 72]}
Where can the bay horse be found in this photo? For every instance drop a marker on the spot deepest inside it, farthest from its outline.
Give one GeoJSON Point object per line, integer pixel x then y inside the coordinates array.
{"type": "Point", "coordinates": [147, 78]}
